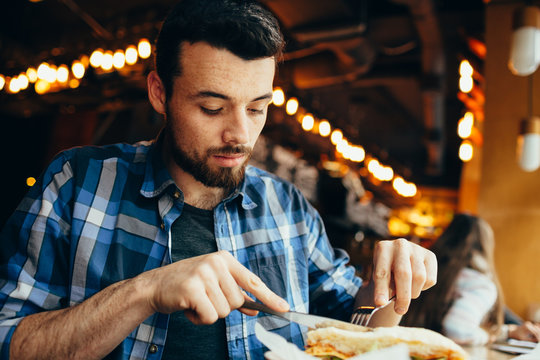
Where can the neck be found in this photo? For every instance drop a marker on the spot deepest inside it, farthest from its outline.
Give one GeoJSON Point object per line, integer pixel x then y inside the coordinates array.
{"type": "Point", "coordinates": [195, 193]}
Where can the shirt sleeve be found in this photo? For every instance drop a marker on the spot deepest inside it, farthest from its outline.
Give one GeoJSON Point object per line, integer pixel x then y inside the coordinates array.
{"type": "Point", "coordinates": [33, 265]}
{"type": "Point", "coordinates": [475, 295]}
{"type": "Point", "coordinates": [333, 282]}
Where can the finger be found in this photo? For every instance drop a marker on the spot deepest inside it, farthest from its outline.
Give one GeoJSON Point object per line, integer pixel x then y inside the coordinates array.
{"type": "Point", "coordinates": [232, 292]}
{"type": "Point", "coordinates": [430, 263]}
{"type": "Point", "coordinates": [252, 283]}
{"type": "Point", "coordinates": [218, 300]}
{"type": "Point", "coordinates": [202, 312]}
{"type": "Point", "coordinates": [383, 257]}
{"type": "Point", "coordinates": [248, 312]}
{"type": "Point", "coordinates": [419, 275]}
{"type": "Point", "coordinates": [402, 274]}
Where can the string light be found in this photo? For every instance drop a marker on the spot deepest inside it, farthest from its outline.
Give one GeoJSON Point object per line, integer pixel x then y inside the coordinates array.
{"type": "Point", "coordinates": [336, 136]}
{"type": "Point", "coordinates": [343, 147]}
{"type": "Point", "coordinates": [465, 125]}
{"type": "Point", "coordinates": [292, 106]}
{"type": "Point", "coordinates": [131, 55]}
{"type": "Point", "coordinates": [465, 80]}
{"type": "Point", "coordinates": [62, 74]}
{"type": "Point", "coordinates": [119, 59]}
{"type": "Point", "coordinates": [324, 128]}
{"type": "Point", "coordinates": [466, 151]}
{"type": "Point", "coordinates": [32, 75]}
{"type": "Point", "coordinates": [144, 48]}
{"type": "Point", "coordinates": [96, 58]}
{"type": "Point", "coordinates": [78, 70]}
{"type": "Point", "coordinates": [308, 122]}
{"type": "Point", "coordinates": [278, 97]}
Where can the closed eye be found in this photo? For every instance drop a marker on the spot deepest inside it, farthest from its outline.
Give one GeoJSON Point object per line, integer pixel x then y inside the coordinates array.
{"type": "Point", "coordinates": [256, 111]}
{"type": "Point", "coordinates": [211, 111]}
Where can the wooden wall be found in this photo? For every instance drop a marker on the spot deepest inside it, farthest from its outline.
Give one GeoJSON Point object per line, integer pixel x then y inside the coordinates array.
{"type": "Point", "coordinates": [509, 198]}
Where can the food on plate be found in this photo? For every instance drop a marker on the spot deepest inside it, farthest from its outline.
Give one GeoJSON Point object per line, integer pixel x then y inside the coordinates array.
{"type": "Point", "coordinates": [333, 343]}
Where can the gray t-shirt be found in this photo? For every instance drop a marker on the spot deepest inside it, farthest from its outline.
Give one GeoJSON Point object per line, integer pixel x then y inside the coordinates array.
{"type": "Point", "coordinates": [193, 235]}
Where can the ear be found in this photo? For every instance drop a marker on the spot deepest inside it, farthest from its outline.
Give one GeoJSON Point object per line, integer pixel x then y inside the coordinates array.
{"type": "Point", "coordinates": [156, 92]}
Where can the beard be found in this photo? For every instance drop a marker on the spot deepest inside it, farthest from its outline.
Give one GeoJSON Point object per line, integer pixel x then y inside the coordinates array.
{"type": "Point", "coordinates": [198, 165]}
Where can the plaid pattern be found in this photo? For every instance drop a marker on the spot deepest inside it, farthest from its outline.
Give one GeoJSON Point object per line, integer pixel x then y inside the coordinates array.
{"type": "Point", "coordinates": [102, 214]}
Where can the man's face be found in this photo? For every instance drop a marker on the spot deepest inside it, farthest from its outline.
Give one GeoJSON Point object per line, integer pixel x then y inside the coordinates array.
{"type": "Point", "coordinates": [216, 112]}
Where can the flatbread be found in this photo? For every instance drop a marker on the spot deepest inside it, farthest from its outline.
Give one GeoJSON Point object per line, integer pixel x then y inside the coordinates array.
{"type": "Point", "coordinates": [423, 343]}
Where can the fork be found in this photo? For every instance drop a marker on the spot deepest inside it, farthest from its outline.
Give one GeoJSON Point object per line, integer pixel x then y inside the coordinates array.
{"type": "Point", "coordinates": [363, 314]}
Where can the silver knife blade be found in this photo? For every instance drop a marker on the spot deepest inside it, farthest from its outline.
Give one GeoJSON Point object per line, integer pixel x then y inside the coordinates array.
{"type": "Point", "coordinates": [311, 321]}
{"type": "Point", "coordinates": [384, 316]}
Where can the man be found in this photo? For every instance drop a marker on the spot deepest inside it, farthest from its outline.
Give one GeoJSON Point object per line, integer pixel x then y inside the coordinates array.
{"type": "Point", "coordinates": [112, 240]}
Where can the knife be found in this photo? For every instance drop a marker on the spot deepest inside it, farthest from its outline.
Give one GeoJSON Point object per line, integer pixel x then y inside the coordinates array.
{"type": "Point", "coordinates": [311, 321]}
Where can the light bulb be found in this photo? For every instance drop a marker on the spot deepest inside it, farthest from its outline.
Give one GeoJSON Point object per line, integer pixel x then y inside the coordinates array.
{"type": "Point", "coordinates": [525, 46]}
{"type": "Point", "coordinates": [528, 144]}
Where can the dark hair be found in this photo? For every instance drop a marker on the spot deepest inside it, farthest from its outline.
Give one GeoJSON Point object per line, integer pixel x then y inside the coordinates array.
{"type": "Point", "coordinates": [467, 236]}
{"type": "Point", "coordinates": [243, 27]}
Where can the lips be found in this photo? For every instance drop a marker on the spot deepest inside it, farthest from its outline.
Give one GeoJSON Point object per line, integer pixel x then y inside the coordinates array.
{"type": "Point", "coordinates": [231, 160]}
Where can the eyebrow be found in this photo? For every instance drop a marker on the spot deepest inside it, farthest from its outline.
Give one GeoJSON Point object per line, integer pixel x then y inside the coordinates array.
{"type": "Point", "coordinates": [205, 94]}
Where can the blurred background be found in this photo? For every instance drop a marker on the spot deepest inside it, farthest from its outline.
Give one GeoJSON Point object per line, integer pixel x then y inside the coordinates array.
{"type": "Point", "coordinates": [389, 115]}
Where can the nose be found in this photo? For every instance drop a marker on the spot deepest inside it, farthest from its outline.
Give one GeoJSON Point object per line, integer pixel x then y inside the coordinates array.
{"type": "Point", "coordinates": [236, 130]}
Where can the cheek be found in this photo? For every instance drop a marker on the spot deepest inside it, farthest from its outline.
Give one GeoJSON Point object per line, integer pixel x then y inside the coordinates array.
{"type": "Point", "coordinates": [255, 130]}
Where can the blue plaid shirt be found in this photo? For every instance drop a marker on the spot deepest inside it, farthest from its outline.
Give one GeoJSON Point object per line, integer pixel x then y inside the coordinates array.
{"type": "Point", "coordinates": [99, 215]}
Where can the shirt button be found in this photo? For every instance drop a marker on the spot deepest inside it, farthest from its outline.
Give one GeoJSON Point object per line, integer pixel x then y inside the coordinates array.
{"type": "Point", "coordinates": [153, 349]}
{"type": "Point", "coordinates": [176, 194]}
{"type": "Point", "coordinates": [162, 226]}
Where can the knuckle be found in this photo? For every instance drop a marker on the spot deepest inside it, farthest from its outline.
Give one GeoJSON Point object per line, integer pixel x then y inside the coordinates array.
{"type": "Point", "coordinates": [255, 282]}
{"type": "Point", "coordinates": [419, 277]}
{"type": "Point", "coordinates": [381, 274]}
{"type": "Point", "coordinates": [403, 273]}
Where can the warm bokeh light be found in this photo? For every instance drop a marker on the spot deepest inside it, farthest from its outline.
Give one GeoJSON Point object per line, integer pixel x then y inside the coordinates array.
{"type": "Point", "coordinates": [336, 136]}
{"type": "Point", "coordinates": [131, 55]}
{"type": "Point", "coordinates": [466, 84]}
{"type": "Point", "coordinates": [357, 153]}
{"type": "Point", "coordinates": [465, 125]}
{"type": "Point", "coordinates": [465, 69]}
{"type": "Point", "coordinates": [85, 60]}
{"type": "Point", "coordinates": [23, 81]}
{"type": "Point", "coordinates": [62, 74]}
{"type": "Point", "coordinates": [341, 146]}
{"type": "Point", "coordinates": [144, 48]}
{"type": "Point", "coordinates": [119, 59]}
{"type": "Point", "coordinates": [2, 81]}
{"type": "Point", "coordinates": [74, 83]}
{"type": "Point", "coordinates": [42, 86]}
{"type": "Point", "coordinates": [324, 128]}
{"type": "Point", "coordinates": [292, 106]}
{"type": "Point", "coordinates": [466, 151]}
{"type": "Point", "coordinates": [42, 71]}
{"type": "Point", "coordinates": [50, 73]}
{"type": "Point", "coordinates": [404, 188]}
{"type": "Point", "coordinates": [96, 58]}
{"type": "Point", "coordinates": [32, 74]}
{"type": "Point", "coordinates": [78, 70]}
{"type": "Point", "coordinates": [308, 122]}
{"type": "Point", "coordinates": [30, 181]}
{"type": "Point", "coordinates": [13, 85]}
{"type": "Point", "coordinates": [278, 97]}
{"type": "Point", "coordinates": [107, 61]}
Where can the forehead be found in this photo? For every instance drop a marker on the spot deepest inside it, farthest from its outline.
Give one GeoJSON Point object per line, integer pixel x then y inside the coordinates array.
{"type": "Point", "coordinates": [206, 68]}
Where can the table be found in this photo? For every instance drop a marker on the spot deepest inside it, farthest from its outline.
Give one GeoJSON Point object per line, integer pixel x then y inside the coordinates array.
{"type": "Point", "coordinates": [485, 353]}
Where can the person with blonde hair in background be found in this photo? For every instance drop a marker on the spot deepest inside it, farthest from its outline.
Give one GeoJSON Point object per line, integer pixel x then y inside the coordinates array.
{"type": "Point", "coordinates": [467, 304]}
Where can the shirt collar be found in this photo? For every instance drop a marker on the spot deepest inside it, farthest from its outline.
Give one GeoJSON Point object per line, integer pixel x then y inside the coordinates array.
{"type": "Point", "coordinates": [156, 175]}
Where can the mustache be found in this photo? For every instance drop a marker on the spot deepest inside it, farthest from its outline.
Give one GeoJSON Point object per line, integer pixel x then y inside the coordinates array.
{"type": "Point", "coordinates": [229, 150]}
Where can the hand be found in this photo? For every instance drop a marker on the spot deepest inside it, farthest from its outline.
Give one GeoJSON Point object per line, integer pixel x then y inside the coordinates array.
{"type": "Point", "coordinates": [207, 287]}
{"type": "Point", "coordinates": [527, 331]}
{"type": "Point", "coordinates": [404, 268]}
